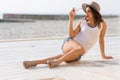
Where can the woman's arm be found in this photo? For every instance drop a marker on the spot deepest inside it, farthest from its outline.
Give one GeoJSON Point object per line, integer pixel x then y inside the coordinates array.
{"type": "Point", "coordinates": [73, 32]}
{"type": "Point", "coordinates": [101, 41]}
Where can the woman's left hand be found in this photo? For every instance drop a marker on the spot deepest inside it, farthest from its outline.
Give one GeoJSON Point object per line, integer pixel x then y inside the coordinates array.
{"type": "Point", "coordinates": [107, 57]}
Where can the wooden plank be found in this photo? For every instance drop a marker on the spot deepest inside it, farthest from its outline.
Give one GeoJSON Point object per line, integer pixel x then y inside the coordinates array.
{"type": "Point", "coordinates": [91, 67]}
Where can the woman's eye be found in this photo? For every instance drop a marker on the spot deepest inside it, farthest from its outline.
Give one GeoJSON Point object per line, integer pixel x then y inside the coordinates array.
{"type": "Point", "coordinates": [89, 11]}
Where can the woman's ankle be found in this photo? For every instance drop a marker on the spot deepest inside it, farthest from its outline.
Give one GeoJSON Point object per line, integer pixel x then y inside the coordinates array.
{"type": "Point", "coordinates": [40, 61]}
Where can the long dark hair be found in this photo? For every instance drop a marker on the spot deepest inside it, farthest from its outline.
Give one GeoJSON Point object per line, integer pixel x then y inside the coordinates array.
{"type": "Point", "coordinates": [97, 16]}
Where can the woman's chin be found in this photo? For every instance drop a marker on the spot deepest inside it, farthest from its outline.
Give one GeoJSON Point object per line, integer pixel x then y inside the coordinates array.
{"type": "Point", "coordinates": [87, 21]}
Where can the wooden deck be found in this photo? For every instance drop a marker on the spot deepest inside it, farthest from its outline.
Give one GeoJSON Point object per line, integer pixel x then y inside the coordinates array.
{"type": "Point", "coordinates": [90, 67]}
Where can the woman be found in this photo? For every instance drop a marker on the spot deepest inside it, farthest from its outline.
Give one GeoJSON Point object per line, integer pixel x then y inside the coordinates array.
{"type": "Point", "coordinates": [80, 40]}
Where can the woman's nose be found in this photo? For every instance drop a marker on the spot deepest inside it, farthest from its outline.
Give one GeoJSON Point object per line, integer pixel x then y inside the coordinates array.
{"type": "Point", "coordinates": [86, 14]}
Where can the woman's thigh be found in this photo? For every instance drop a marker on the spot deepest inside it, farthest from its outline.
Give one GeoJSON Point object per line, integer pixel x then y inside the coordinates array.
{"type": "Point", "coordinates": [70, 45]}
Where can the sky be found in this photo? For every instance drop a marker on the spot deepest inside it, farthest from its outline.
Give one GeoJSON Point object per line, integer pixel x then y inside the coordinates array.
{"type": "Point", "coordinates": [108, 7]}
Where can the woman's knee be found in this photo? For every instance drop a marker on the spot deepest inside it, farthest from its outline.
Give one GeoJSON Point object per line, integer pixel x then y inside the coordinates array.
{"type": "Point", "coordinates": [80, 49]}
{"type": "Point", "coordinates": [72, 45]}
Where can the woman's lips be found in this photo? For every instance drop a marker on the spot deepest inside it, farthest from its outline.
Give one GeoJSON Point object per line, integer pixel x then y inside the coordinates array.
{"type": "Point", "coordinates": [86, 16]}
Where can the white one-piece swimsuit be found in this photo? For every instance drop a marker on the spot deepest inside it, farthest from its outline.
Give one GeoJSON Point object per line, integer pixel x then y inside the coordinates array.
{"type": "Point", "coordinates": [87, 36]}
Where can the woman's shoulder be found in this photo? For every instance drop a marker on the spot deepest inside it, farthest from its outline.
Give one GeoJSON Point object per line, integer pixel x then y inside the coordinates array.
{"type": "Point", "coordinates": [102, 24]}
{"type": "Point", "coordinates": [80, 23]}
{"type": "Point", "coordinates": [83, 22]}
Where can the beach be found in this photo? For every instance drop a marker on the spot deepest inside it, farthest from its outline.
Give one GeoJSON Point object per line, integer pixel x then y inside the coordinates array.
{"type": "Point", "coordinates": [48, 28]}
{"type": "Point", "coordinates": [38, 39]}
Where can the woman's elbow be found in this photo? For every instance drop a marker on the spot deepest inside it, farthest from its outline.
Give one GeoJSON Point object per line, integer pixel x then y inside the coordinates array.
{"type": "Point", "coordinates": [71, 35]}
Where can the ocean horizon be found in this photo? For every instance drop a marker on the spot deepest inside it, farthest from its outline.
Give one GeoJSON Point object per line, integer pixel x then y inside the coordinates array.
{"type": "Point", "coordinates": [48, 28]}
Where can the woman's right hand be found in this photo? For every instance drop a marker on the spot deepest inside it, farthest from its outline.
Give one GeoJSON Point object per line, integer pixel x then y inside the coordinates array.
{"type": "Point", "coordinates": [72, 14]}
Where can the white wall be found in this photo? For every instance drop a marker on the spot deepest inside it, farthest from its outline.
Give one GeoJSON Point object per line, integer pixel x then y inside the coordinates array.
{"type": "Point", "coordinates": [54, 6]}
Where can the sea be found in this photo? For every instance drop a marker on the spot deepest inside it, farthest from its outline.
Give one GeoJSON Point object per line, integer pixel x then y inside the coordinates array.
{"type": "Point", "coordinates": [53, 28]}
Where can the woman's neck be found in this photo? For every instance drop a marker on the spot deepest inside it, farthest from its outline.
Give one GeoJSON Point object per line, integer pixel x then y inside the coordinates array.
{"type": "Point", "coordinates": [91, 24]}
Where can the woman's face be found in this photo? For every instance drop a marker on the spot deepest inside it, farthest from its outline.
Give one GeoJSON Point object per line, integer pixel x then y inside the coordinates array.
{"type": "Point", "coordinates": [89, 15]}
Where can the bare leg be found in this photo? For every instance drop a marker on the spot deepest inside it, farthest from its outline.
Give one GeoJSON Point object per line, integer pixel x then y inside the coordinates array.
{"type": "Point", "coordinates": [28, 64]}
{"type": "Point", "coordinates": [73, 54]}
{"type": "Point", "coordinates": [44, 61]}
{"type": "Point", "coordinates": [72, 50]}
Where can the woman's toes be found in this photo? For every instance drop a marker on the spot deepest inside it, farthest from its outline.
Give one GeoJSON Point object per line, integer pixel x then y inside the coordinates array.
{"type": "Point", "coordinates": [49, 64]}
{"type": "Point", "coordinates": [25, 64]}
